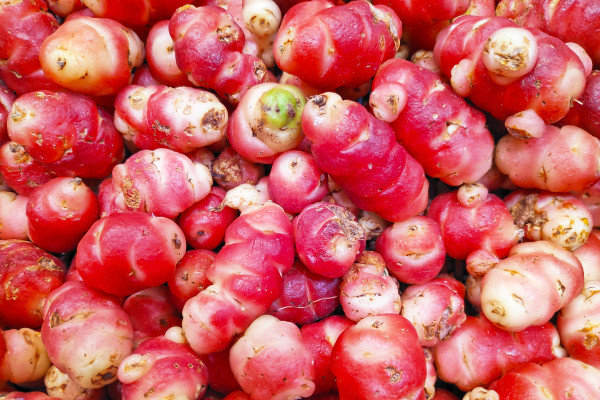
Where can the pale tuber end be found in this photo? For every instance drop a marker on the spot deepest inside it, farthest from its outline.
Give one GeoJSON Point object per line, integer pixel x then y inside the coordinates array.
{"type": "Point", "coordinates": [479, 262]}
{"type": "Point", "coordinates": [241, 197]}
{"type": "Point", "coordinates": [176, 334]}
{"type": "Point", "coordinates": [280, 113]}
{"type": "Point", "coordinates": [509, 54]}
{"type": "Point", "coordinates": [525, 124]}
{"type": "Point", "coordinates": [134, 367]}
{"type": "Point", "coordinates": [583, 56]}
{"type": "Point", "coordinates": [372, 223]}
{"type": "Point", "coordinates": [262, 17]}
{"type": "Point", "coordinates": [472, 194]}
{"type": "Point", "coordinates": [480, 393]}
{"type": "Point", "coordinates": [388, 100]}
{"type": "Point", "coordinates": [426, 60]}
{"type": "Point", "coordinates": [461, 77]}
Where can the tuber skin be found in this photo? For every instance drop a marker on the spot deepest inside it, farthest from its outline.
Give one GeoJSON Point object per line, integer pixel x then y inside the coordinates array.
{"type": "Point", "coordinates": [379, 357]}
{"type": "Point", "coordinates": [366, 289]}
{"type": "Point", "coordinates": [436, 135]}
{"type": "Point", "coordinates": [26, 358]}
{"type": "Point", "coordinates": [134, 13]}
{"type": "Point", "coordinates": [92, 56]}
{"type": "Point", "coordinates": [478, 263]}
{"type": "Point", "coordinates": [208, 48]}
{"type": "Point", "coordinates": [478, 353]}
{"type": "Point", "coordinates": [21, 172]}
{"type": "Point", "coordinates": [413, 249]}
{"type": "Point", "coordinates": [162, 182]}
{"type": "Point", "coordinates": [63, 8]}
{"type": "Point", "coordinates": [160, 56]}
{"type": "Point", "coordinates": [282, 368]}
{"type": "Point", "coordinates": [470, 219]}
{"type": "Point", "coordinates": [28, 275]}
{"type": "Point", "coordinates": [190, 278]}
{"type": "Point", "coordinates": [338, 55]}
{"type": "Point", "coordinates": [7, 98]}
{"type": "Point", "coordinates": [127, 252]}
{"type": "Point", "coordinates": [328, 239]}
{"type": "Point", "coordinates": [230, 170]}
{"type": "Point", "coordinates": [585, 112]}
{"type": "Point", "coordinates": [27, 396]}
{"type": "Point", "coordinates": [530, 285]}
{"type": "Point", "coordinates": [224, 381]}
{"type": "Point", "coordinates": [86, 333]}
{"type": "Point", "coordinates": [59, 385]}
{"type": "Point", "coordinates": [181, 119]}
{"type": "Point", "coordinates": [258, 249]}
{"type": "Point", "coordinates": [13, 216]}
{"type": "Point", "coordinates": [60, 212]}
{"type": "Point", "coordinates": [589, 256]}
{"type": "Point", "coordinates": [557, 217]}
{"type": "Point", "coordinates": [361, 154]}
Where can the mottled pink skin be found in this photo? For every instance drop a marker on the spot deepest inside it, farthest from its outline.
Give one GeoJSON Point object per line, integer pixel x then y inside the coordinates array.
{"type": "Point", "coordinates": [437, 135]}
{"type": "Point", "coordinates": [13, 216]}
{"type": "Point", "coordinates": [568, 20]}
{"type": "Point", "coordinates": [107, 198]}
{"type": "Point", "coordinates": [151, 312]}
{"type": "Point", "coordinates": [589, 257]}
{"type": "Point", "coordinates": [306, 297]}
{"type": "Point", "coordinates": [208, 48]}
{"type": "Point", "coordinates": [86, 333]}
{"type": "Point", "coordinates": [26, 360]}
{"type": "Point", "coordinates": [204, 224]}
{"type": "Point", "coordinates": [585, 112]}
{"type": "Point", "coordinates": [143, 77]}
{"type": "Point", "coordinates": [312, 29]}
{"type": "Point", "coordinates": [174, 370]}
{"type": "Point", "coordinates": [328, 239]}
{"type": "Point", "coordinates": [28, 274]}
{"type": "Point", "coordinates": [162, 182]}
{"type": "Point", "coordinates": [63, 8]}
{"type": "Point", "coordinates": [60, 384]}
{"type": "Point", "coordinates": [230, 169]}
{"type": "Point", "coordinates": [259, 248]}
{"type": "Point", "coordinates": [134, 13]}
{"type": "Point", "coordinates": [578, 325]}
{"type": "Point", "coordinates": [379, 357]}
{"type": "Point", "coordinates": [478, 263]}
{"type": "Point", "coordinates": [28, 396]}
{"type": "Point", "coordinates": [20, 171]}
{"type": "Point", "coordinates": [435, 308]}
{"type": "Point", "coordinates": [361, 154]}
{"type": "Point", "coordinates": [366, 290]}
{"type": "Point", "coordinates": [478, 353]}
{"type": "Point", "coordinates": [557, 78]}
{"type": "Point", "coordinates": [337, 195]}
{"type": "Point", "coordinates": [181, 118]}
{"type": "Point", "coordinates": [7, 98]}
{"type": "Point", "coordinates": [127, 252]}
{"type": "Point", "coordinates": [319, 338]}
{"type": "Point", "coordinates": [560, 379]}
{"type": "Point", "coordinates": [60, 212]}
{"type": "Point", "coordinates": [160, 56]}
{"type": "Point", "coordinates": [282, 369]}
{"type": "Point", "coordinates": [221, 379]}
{"type": "Point", "coordinates": [548, 162]}
{"type": "Point", "coordinates": [23, 27]}
{"type": "Point", "coordinates": [413, 249]}
{"type": "Point", "coordinates": [296, 181]}
{"type": "Point", "coordinates": [67, 132]}
{"type": "Point", "coordinates": [487, 226]}
{"type": "Point", "coordinates": [190, 278]}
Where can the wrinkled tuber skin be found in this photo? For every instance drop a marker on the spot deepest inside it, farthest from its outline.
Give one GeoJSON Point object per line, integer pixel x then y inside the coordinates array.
{"type": "Point", "coordinates": [67, 132]}
{"type": "Point", "coordinates": [86, 333]}
{"type": "Point", "coordinates": [107, 198]}
{"type": "Point", "coordinates": [435, 308]}
{"type": "Point", "coordinates": [162, 182]}
{"type": "Point", "coordinates": [63, 8]}
{"type": "Point", "coordinates": [589, 256]}
{"type": "Point", "coordinates": [267, 122]}
{"type": "Point", "coordinates": [366, 289]}
{"type": "Point", "coordinates": [295, 181]}
{"type": "Point", "coordinates": [590, 197]}
{"type": "Point", "coordinates": [478, 353]}
{"type": "Point", "coordinates": [13, 217]}
{"type": "Point", "coordinates": [259, 248]}
{"type": "Point", "coordinates": [482, 8]}
{"type": "Point", "coordinates": [92, 56]}
{"type": "Point", "coordinates": [471, 219]}
{"type": "Point", "coordinates": [28, 275]}
{"type": "Point", "coordinates": [181, 119]}
{"type": "Point", "coordinates": [568, 20]}
{"type": "Point", "coordinates": [328, 239]}
{"type": "Point", "coordinates": [230, 169]}
{"type": "Point", "coordinates": [134, 13]}
{"type": "Point", "coordinates": [562, 160]}
{"type": "Point", "coordinates": [281, 369]}
{"type": "Point", "coordinates": [319, 338]}
{"type": "Point", "coordinates": [190, 278]}
{"type": "Point", "coordinates": [23, 27]}
{"type": "Point", "coordinates": [585, 112]}
{"type": "Point", "coordinates": [127, 252]}
{"type": "Point", "coordinates": [478, 263]}
{"type": "Point", "coordinates": [160, 56]}
{"type": "Point", "coordinates": [438, 134]}
{"type": "Point", "coordinates": [59, 385]}
{"type": "Point", "coordinates": [560, 218]}
{"type": "Point", "coordinates": [538, 73]}
{"type": "Point", "coordinates": [379, 357]}
{"type": "Point", "coordinates": [560, 378]}
{"type": "Point", "coordinates": [530, 285]}
{"type": "Point", "coordinates": [208, 48]}
{"type": "Point", "coordinates": [578, 324]}
{"type": "Point", "coordinates": [26, 358]}
{"type": "Point", "coordinates": [163, 369]}
{"type": "Point", "coordinates": [306, 297]}
{"type": "Point", "coordinates": [7, 98]}
{"type": "Point", "coordinates": [21, 172]}
{"type": "Point", "coordinates": [413, 249]}
{"type": "Point", "coordinates": [60, 212]}
{"type": "Point", "coordinates": [354, 50]}
{"type": "Point", "coordinates": [27, 396]}
{"type": "Point", "coordinates": [151, 313]}
{"type": "Point", "coordinates": [362, 155]}
{"type": "Point", "coordinates": [480, 393]}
